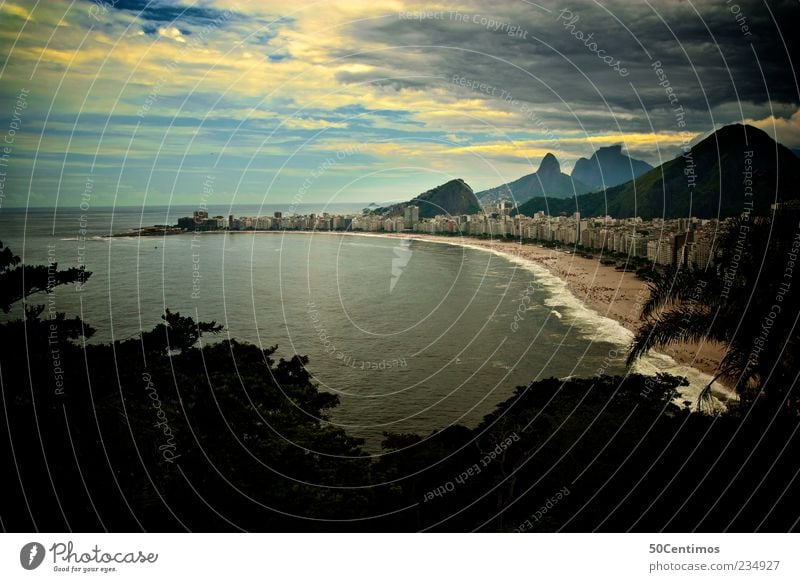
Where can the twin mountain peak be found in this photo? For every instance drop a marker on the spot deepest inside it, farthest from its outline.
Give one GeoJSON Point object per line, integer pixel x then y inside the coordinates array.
{"type": "Point", "coordinates": [607, 167]}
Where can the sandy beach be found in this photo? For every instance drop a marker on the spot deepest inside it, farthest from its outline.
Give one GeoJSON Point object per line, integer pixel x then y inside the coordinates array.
{"type": "Point", "coordinates": [615, 294]}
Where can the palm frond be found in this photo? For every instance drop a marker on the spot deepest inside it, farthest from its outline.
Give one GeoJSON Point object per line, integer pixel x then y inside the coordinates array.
{"type": "Point", "coordinates": [673, 287]}
{"type": "Point", "coordinates": [677, 325]}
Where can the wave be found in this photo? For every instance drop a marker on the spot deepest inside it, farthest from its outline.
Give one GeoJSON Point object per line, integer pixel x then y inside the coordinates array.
{"type": "Point", "coordinates": [94, 237]}
{"type": "Point", "coordinates": [595, 327]}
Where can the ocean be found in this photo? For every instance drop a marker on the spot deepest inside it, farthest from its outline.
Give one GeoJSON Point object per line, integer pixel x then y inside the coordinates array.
{"type": "Point", "coordinates": [413, 336]}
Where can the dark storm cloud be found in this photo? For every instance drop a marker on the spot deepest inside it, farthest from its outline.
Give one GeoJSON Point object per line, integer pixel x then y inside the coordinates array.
{"type": "Point", "coordinates": [713, 55]}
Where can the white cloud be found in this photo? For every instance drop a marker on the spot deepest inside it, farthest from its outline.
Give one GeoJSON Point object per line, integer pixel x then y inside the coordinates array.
{"type": "Point", "coordinates": [172, 33]}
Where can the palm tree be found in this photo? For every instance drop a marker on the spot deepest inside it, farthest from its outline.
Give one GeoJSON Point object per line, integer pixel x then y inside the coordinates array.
{"type": "Point", "coordinates": [742, 300]}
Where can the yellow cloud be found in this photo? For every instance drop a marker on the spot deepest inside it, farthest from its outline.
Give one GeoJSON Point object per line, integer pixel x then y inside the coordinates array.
{"type": "Point", "coordinates": [539, 147]}
{"type": "Point", "coordinates": [782, 130]}
{"type": "Point", "coordinates": [307, 123]}
{"type": "Point", "coordinates": [14, 10]}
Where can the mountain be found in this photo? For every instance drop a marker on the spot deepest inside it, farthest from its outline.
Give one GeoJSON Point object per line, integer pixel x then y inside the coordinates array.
{"type": "Point", "coordinates": [706, 181]}
{"type": "Point", "coordinates": [608, 167]}
{"type": "Point", "coordinates": [548, 181]}
{"type": "Point", "coordinates": [452, 198]}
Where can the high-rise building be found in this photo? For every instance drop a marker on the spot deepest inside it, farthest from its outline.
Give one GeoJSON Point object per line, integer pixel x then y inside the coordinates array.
{"type": "Point", "coordinates": [411, 217]}
{"type": "Point", "coordinates": [660, 252]}
{"type": "Point", "coordinates": [700, 253]}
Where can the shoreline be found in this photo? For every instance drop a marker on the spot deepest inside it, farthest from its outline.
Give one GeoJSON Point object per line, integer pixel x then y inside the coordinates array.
{"type": "Point", "coordinates": [607, 292]}
{"type": "Point", "coordinates": [613, 294]}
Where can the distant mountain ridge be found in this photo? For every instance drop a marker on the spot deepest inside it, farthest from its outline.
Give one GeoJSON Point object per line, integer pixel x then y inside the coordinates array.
{"type": "Point", "coordinates": [608, 167]}
{"type": "Point", "coordinates": [707, 181]}
{"type": "Point", "coordinates": [548, 181]}
{"type": "Point", "coordinates": [451, 198]}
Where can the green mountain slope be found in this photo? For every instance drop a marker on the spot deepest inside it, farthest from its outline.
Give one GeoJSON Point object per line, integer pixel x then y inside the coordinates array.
{"type": "Point", "coordinates": [451, 198]}
{"type": "Point", "coordinates": [709, 180]}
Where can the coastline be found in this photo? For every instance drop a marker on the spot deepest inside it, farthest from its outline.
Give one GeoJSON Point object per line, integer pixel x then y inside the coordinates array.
{"type": "Point", "coordinates": [602, 289]}
{"type": "Point", "coordinates": [612, 294]}
{"type": "Point", "coordinates": [616, 295]}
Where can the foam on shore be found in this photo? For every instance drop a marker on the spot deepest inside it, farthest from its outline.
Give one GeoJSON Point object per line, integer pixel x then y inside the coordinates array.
{"type": "Point", "coordinates": [594, 326]}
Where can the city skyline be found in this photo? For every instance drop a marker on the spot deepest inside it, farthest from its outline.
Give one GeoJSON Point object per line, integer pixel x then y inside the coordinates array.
{"type": "Point", "coordinates": [663, 242]}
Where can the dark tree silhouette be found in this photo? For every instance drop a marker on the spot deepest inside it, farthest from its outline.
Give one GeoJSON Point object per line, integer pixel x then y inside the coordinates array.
{"type": "Point", "coordinates": [20, 281]}
{"type": "Point", "coordinates": [742, 300]}
{"type": "Point", "coordinates": [177, 333]}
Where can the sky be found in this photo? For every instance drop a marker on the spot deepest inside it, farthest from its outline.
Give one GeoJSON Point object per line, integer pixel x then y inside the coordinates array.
{"type": "Point", "coordinates": [131, 102]}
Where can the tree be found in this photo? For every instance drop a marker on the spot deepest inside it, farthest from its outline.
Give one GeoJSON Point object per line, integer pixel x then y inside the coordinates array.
{"type": "Point", "coordinates": [20, 281]}
{"type": "Point", "coordinates": [177, 333]}
{"type": "Point", "coordinates": [744, 299]}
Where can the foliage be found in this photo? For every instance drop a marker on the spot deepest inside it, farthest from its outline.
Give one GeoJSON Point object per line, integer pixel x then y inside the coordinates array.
{"type": "Point", "coordinates": [741, 301]}
{"type": "Point", "coordinates": [20, 281]}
